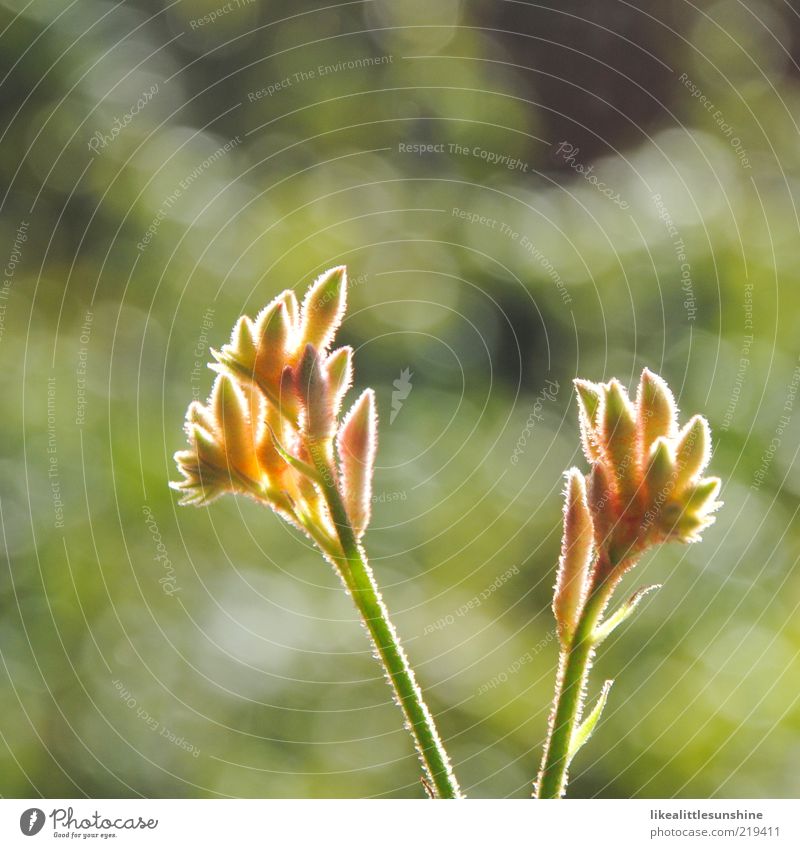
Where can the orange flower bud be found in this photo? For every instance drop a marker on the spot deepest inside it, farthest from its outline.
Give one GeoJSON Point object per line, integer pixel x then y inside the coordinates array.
{"type": "Point", "coordinates": [660, 471]}
{"type": "Point", "coordinates": [269, 427]}
{"type": "Point", "coordinates": [693, 450]}
{"type": "Point", "coordinates": [656, 414]}
{"type": "Point", "coordinates": [323, 308]}
{"type": "Point", "coordinates": [618, 438]}
{"type": "Point", "coordinates": [230, 409]}
{"type": "Point", "coordinates": [340, 374]}
{"type": "Point", "coordinates": [273, 333]}
{"type": "Point", "coordinates": [645, 484]}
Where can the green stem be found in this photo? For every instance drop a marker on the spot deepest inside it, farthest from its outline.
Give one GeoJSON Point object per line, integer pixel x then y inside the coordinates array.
{"type": "Point", "coordinates": [573, 672]}
{"type": "Point", "coordinates": [358, 578]}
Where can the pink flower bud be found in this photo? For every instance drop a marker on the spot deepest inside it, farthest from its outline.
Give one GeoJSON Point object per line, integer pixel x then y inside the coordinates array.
{"type": "Point", "coordinates": [356, 444]}
{"type": "Point", "coordinates": [576, 556]}
{"type": "Point", "coordinates": [311, 385]}
{"type": "Point", "coordinates": [589, 397]}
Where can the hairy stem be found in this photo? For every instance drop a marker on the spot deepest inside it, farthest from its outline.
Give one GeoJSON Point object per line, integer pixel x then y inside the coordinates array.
{"type": "Point", "coordinates": [573, 672]}
{"type": "Point", "coordinates": [359, 579]}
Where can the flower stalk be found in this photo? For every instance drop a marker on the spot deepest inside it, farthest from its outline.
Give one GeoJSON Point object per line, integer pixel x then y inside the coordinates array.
{"type": "Point", "coordinates": [272, 430]}
{"type": "Point", "coordinates": [645, 488]}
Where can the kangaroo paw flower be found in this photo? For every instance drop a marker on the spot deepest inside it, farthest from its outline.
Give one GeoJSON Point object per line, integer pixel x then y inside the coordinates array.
{"type": "Point", "coordinates": [272, 429]}
{"type": "Point", "coordinates": [271, 425]}
{"type": "Point", "coordinates": [645, 487]}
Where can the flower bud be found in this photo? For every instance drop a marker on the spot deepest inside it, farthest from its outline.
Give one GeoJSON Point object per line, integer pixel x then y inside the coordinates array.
{"type": "Point", "coordinates": [356, 444]}
{"type": "Point", "coordinates": [656, 414]}
{"type": "Point", "coordinates": [340, 374]}
{"type": "Point", "coordinates": [323, 308]}
{"type": "Point", "coordinates": [312, 386]}
{"type": "Point", "coordinates": [230, 410]}
{"type": "Point", "coordinates": [589, 395]}
{"type": "Point", "coordinates": [273, 335]}
{"type": "Point", "coordinates": [576, 556]}
{"type": "Point", "coordinates": [603, 502]}
{"type": "Point", "coordinates": [701, 496]}
{"type": "Point", "coordinates": [659, 478]}
{"type": "Point", "coordinates": [619, 438]}
{"type": "Point", "coordinates": [269, 427]}
{"type": "Point", "coordinates": [693, 451]}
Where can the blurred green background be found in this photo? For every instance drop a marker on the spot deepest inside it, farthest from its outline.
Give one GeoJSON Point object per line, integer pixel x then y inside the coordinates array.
{"type": "Point", "coordinates": [608, 188]}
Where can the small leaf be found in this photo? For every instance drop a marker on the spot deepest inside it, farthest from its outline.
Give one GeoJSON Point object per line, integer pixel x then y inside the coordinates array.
{"type": "Point", "coordinates": [581, 734]}
{"type": "Point", "coordinates": [303, 467]}
{"type": "Point", "coordinates": [603, 631]}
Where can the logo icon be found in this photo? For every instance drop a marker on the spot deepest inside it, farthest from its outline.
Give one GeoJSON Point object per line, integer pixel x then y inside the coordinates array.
{"type": "Point", "coordinates": [402, 389]}
{"type": "Point", "coordinates": [31, 821]}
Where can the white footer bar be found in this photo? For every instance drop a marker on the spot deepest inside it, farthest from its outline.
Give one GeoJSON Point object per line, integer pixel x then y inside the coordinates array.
{"type": "Point", "coordinates": [401, 824]}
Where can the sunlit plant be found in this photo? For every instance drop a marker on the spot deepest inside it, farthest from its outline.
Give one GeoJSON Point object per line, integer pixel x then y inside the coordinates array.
{"type": "Point", "coordinates": [645, 487]}
{"type": "Point", "coordinates": [272, 429]}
